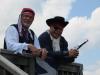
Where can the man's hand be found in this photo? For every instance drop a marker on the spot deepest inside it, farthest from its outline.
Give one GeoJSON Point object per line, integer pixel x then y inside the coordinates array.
{"type": "Point", "coordinates": [44, 53]}
{"type": "Point", "coordinates": [73, 53]}
{"type": "Point", "coordinates": [35, 51]}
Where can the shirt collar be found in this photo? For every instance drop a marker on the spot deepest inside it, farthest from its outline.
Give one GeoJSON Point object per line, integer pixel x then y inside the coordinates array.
{"type": "Point", "coordinates": [52, 38]}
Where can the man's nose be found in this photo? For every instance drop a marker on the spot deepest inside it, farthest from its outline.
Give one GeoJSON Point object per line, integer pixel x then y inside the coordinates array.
{"type": "Point", "coordinates": [27, 18]}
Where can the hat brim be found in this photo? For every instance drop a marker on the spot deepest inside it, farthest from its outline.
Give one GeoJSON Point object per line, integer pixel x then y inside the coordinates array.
{"type": "Point", "coordinates": [51, 21]}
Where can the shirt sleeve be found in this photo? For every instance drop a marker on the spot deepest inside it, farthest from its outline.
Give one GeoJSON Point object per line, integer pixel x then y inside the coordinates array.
{"type": "Point", "coordinates": [36, 42]}
{"type": "Point", "coordinates": [12, 40]}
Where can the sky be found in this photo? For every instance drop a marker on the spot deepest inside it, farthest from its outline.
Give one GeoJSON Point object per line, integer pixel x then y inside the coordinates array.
{"type": "Point", "coordinates": [83, 17]}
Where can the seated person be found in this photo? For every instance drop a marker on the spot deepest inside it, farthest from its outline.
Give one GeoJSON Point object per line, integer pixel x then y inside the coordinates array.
{"type": "Point", "coordinates": [20, 39]}
{"type": "Point", "coordinates": [56, 45]}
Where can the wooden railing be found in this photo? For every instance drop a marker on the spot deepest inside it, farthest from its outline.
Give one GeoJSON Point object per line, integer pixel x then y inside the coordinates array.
{"type": "Point", "coordinates": [23, 64]}
{"type": "Point", "coordinates": [70, 69]}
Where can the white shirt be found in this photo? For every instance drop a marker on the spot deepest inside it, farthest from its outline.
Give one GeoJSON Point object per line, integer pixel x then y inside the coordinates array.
{"type": "Point", "coordinates": [12, 41]}
{"type": "Point", "coordinates": [55, 43]}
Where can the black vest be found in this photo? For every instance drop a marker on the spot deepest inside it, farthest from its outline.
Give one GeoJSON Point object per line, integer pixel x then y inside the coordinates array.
{"type": "Point", "coordinates": [21, 38]}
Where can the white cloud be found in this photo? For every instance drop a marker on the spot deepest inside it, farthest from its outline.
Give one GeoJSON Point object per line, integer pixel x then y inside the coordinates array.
{"type": "Point", "coordinates": [93, 26]}
{"type": "Point", "coordinates": [81, 28]}
{"type": "Point", "coordinates": [55, 7]}
{"type": "Point", "coordinates": [93, 69]}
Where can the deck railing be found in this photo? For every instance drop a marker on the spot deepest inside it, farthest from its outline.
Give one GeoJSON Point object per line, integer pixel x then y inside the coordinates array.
{"type": "Point", "coordinates": [70, 69]}
{"type": "Point", "coordinates": [24, 64]}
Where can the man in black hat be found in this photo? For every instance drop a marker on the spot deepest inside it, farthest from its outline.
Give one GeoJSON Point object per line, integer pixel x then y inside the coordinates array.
{"type": "Point", "coordinates": [56, 45]}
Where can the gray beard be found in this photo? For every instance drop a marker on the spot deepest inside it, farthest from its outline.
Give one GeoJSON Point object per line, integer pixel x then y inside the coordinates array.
{"type": "Point", "coordinates": [25, 26]}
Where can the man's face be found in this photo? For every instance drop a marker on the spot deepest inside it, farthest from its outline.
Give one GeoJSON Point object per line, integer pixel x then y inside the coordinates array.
{"type": "Point", "coordinates": [56, 30]}
{"type": "Point", "coordinates": [27, 19]}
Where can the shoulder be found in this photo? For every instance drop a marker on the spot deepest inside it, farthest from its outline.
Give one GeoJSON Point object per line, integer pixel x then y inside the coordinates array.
{"type": "Point", "coordinates": [63, 39]}
{"type": "Point", "coordinates": [11, 28]}
{"type": "Point", "coordinates": [44, 35]}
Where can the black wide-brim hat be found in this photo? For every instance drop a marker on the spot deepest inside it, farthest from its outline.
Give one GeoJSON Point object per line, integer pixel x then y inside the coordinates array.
{"type": "Point", "coordinates": [57, 19]}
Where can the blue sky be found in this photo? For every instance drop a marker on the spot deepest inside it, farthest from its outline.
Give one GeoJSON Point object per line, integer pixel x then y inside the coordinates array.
{"type": "Point", "coordinates": [83, 17]}
{"type": "Point", "coordinates": [84, 7]}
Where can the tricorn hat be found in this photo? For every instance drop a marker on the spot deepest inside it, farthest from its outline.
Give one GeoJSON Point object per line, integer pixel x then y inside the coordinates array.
{"type": "Point", "coordinates": [56, 19]}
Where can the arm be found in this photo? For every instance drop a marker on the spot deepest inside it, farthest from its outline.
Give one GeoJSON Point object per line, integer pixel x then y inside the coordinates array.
{"type": "Point", "coordinates": [36, 42]}
{"type": "Point", "coordinates": [44, 52]}
{"type": "Point", "coordinates": [64, 54]}
{"type": "Point", "coordinates": [47, 43]}
{"type": "Point", "coordinates": [12, 40]}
